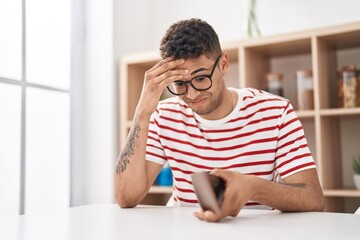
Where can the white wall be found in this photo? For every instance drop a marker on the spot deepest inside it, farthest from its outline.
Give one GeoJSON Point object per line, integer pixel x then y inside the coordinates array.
{"type": "Point", "coordinates": [279, 16]}
{"type": "Point", "coordinates": [100, 108]}
{"type": "Point", "coordinates": [78, 169]}
{"type": "Point", "coordinates": [133, 20]}
{"type": "Point", "coordinates": [150, 18]}
{"type": "Point", "coordinates": [138, 25]}
{"type": "Point", "coordinates": [94, 107]}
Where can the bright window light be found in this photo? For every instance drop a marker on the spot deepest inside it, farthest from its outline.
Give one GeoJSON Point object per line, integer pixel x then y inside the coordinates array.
{"type": "Point", "coordinates": [10, 39]}
{"type": "Point", "coordinates": [10, 148]}
{"type": "Point", "coordinates": [48, 42]}
{"type": "Point", "coordinates": [47, 150]}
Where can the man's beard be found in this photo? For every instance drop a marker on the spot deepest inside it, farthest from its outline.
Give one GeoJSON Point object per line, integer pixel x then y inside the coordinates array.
{"type": "Point", "coordinates": [211, 106]}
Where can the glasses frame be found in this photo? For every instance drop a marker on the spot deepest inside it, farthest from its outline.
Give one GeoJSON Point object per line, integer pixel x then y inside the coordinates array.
{"type": "Point", "coordinates": [192, 85]}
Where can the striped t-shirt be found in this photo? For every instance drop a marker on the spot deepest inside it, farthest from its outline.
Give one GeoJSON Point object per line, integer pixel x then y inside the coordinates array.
{"type": "Point", "coordinates": [262, 136]}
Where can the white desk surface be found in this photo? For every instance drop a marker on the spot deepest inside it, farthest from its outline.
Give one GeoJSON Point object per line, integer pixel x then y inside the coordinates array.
{"type": "Point", "coordinates": [108, 221]}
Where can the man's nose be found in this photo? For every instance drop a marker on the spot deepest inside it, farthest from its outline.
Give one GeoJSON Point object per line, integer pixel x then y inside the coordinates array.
{"type": "Point", "coordinates": [191, 92]}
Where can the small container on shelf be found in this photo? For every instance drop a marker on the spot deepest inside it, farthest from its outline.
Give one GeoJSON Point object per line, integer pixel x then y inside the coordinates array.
{"type": "Point", "coordinates": [165, 177]}
{"type": "Point", "coordinates": [274, 83]}
{"type": "Point", "coordinates": [305, 90]}
{"type": "Point", "coordinates": [349, 87]}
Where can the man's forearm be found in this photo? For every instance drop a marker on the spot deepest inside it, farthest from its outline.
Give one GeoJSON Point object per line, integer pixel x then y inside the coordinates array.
{"type": "Point", "coordinates": [129, 150]}
{"type": "Point", "coordinates": [130, 169]}
{"type": "Point", "coordinates": [289, 196]}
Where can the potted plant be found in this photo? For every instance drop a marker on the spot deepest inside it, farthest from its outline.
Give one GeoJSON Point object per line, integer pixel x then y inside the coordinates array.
{"type": "Point", "coordinates": [356, 168]}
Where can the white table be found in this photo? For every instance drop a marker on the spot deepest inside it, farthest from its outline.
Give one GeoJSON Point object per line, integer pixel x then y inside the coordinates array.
{"type": "Point", "coordinates": [111, 222]}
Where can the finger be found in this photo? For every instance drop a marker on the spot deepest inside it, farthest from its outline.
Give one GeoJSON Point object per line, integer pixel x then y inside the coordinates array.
{"type": "Point", "coordinates": [230, 205]}
{"type": "Point", "coordinates": [150, 72]}
{"type": "Point", "coordinates": [210, 216]}
{"type": "Point", "coordinates": [160, 63]}
{"type": "Point", "coordinates": [207, 215]}
{"type": "Point", "coordinates": [235, 212]}
{"type": "Point", "coordinates": [166, 66]}
{"type": "Point", "coordinates": [178, 75]}
{"type": "Point", "coordinates": [224, 174]}
{"type": "Point", "coordinates": [199, 214]}
{"type": "Point", "coordinates": [229, 197]}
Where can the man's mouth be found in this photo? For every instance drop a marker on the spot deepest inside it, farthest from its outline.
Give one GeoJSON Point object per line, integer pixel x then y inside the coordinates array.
{"type": "Point", "coordinates": [196, 101]}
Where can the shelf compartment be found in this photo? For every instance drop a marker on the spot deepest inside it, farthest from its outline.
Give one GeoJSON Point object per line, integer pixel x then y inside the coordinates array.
{"type": "Point", "coordinates": [156, 199]}
{"type": "Point", "coordinates": [285, 58]}
{"type": "Point", "coordinates": [308, 124]}
{"type": "Point", "coordinates": [232, 49]}
{"type": "Point", "coordinates": [232, 78]}
{"type": "Point", "coordinates": [340, 140]}
{"type": "Point", "coordinates": [342, 200]}
{"type": "Point", "coordinates": [158, 195]}
{"type": "Point", "coordinates": [334, 51]}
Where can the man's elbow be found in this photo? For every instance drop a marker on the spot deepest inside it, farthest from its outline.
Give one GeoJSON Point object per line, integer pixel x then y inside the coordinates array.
{"type": "Point", "coordinates": [124, 201]}
{"type": "Point", "coordinates": [321, 204]}
{"type": "Point", "coordinates": [128, 198]}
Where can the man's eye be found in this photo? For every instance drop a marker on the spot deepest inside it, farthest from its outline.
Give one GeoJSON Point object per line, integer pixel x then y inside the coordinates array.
{"type": "Point", "coordinates": [178, 83]}
{"type": "Point", "coordinates": [201, 78]}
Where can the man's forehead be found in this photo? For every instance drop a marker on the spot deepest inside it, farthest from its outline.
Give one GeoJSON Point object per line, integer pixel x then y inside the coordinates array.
{"type": "Point", "coordinates": [196, 63]}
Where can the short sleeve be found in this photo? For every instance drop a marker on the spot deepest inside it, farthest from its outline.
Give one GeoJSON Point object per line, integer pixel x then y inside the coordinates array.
{"type": "Point", "coordinates": [154, 148]}
{"type": "Point", "coordinates": [292, 154]}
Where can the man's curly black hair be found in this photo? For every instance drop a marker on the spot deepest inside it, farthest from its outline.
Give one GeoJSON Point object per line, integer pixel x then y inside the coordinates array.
{"type": "Point", "coordinates": [190, 39]}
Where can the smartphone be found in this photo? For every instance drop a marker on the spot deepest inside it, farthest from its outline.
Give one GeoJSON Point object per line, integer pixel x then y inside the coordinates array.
{"type": "Point", "coordinates": [209, 190]}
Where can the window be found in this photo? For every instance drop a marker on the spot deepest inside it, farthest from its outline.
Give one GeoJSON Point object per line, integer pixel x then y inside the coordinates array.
{"type": "Point", "coordinates": [34, 105]}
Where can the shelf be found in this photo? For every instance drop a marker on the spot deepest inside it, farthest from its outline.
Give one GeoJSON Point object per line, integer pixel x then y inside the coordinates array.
{"type": "Point", "coordinates": [232, 49]}
{"type": "Point", "coordinates": [305, 113]}
{"type": "Point", "coordinates": [292, 47]}
{"type": "Point", "coordinates": [350, 39]}
{"type": "Point", "coordinates": [161, 190]}
{"type": "Point", "coordinates": [342, 193]}
{"type": "Point", "coordinates": [334, 51]}
{"type": "Point", "coordinates": [340, 112]}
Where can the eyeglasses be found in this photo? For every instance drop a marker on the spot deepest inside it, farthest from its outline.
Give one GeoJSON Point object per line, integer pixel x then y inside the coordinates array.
{"type": "Point", "coordinates": [199, 83]}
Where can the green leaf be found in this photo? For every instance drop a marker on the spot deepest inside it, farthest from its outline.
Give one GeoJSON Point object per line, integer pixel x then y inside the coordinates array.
{"type": "Point", "coordinates": [356, 164]}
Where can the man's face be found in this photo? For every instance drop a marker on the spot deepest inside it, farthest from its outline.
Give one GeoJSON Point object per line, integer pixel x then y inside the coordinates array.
{"type": "Point", "coordinates": [204, 103]}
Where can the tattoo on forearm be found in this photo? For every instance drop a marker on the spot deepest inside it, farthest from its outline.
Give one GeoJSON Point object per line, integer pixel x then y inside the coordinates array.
{"type": "Point", "coordinates": [124, 158]}
{"type": "Point", "coordinates": [299, 185]}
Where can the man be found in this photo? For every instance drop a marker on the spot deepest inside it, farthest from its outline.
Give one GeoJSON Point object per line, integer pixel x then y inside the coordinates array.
{"type": "Point", "coordinates": [244, 136]}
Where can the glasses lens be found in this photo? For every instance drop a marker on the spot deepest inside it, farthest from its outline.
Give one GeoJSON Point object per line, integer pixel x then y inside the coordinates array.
{"type": "Point", "coordinates": [201, 83]}
{"type": "Point", "coordinates": [177, 87]}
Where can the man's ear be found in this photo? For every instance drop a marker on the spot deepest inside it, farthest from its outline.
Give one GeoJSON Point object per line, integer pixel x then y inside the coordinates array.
{"type": "Point", "coordinates": [224, 63]}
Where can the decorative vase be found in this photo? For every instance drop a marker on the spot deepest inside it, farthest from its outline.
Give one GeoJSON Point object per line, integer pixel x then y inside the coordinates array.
{"type": "Point", "coordinates": [249, 24]}
{"type": "Point", "coordinates": [357, 181]}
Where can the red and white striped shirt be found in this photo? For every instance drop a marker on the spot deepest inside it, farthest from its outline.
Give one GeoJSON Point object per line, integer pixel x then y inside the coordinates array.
{"type": "Point", "coordinates": [261, 136]}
